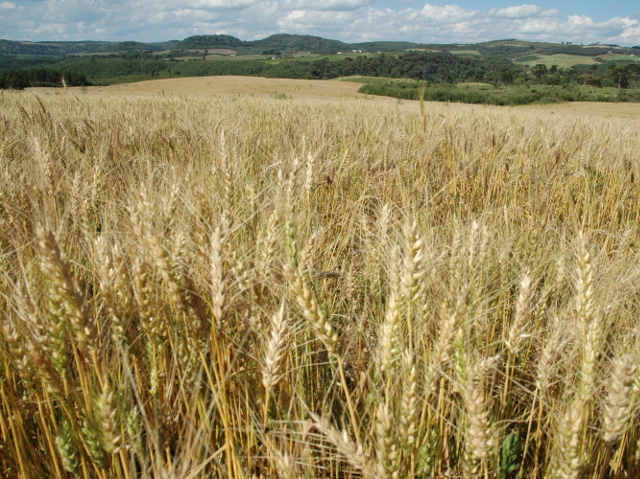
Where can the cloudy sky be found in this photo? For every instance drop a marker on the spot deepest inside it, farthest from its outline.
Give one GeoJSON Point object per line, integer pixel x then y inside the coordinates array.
{"type": "Point", "coordinates": [463, 21]}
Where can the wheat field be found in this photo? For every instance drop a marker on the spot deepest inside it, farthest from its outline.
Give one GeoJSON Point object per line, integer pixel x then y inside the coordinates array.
{"type": "Point", "coordinates": [225, 87]}
{"type": "Point", "coordinates": [261, 287]}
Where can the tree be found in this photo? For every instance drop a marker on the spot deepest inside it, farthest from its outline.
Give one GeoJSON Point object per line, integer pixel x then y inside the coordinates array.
{"type": "Point", "coordinates": [507, 77]}
{"type": "Point", "coordinates": [623, 79]}
{"type": "Point", "coordinates": [539, 70]}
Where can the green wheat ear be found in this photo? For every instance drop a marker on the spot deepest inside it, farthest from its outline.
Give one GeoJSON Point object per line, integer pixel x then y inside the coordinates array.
{"type": "Point", "coordinates": [67, 447]}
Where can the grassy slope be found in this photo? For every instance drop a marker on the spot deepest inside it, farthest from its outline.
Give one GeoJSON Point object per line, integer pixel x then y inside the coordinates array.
{"type": "Point", "coordinates": [466, 52]}
{"type": "Point", "coordinates": [562, 60]}
{"type": "Point", "coordinates": [616, 57]}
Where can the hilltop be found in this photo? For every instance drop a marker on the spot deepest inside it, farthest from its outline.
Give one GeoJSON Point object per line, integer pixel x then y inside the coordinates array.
{"type": "Point", "coordinates": [287, 44]}
{"type": "Point", "coordinates": [507, 71]}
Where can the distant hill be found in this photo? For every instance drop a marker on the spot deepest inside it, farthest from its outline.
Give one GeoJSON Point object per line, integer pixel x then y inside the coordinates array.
{"type": "Point", "coordinates": [287, 44]}
{"type": "Point", "coordinates": [284, 43]}
{"type": "Point", "coordinates": [52, 49]}
{"type": "Point", "coordinates": [199, 42]}
{"type": "Point", "coordinates": [160, 46]}
{"type": "Point", "coordinates": [295, 43]}
{"type": "Point", "coordinates": [508, 68]}
{"type": "Point", "coordinates": [131, 47]}
{"type": "Point", "coordinates": [10, 47]}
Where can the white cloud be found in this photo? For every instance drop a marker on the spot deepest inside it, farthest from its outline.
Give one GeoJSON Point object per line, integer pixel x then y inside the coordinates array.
{"type": "Point", "coordinates": [296, 14]}
{"type": "Point", "coordinates": [347, 20]}
{"type": "Point", "coordinates": [537, 26]}
{"type": "Point", "coordinates": [328, 5]}
{"type": "Point", "coordinates": [631, 35]}
{"type": "Point", "coordinates": [310, 21]}
{"type": "Point", "coordinates": [519, 11]}
{"type": "Point", "coordinates": [448, 13]}
{"type": "Point", "coordinates": [218, 4]}
{"type": "Point", "coordinates": [580, 20]}
{"type": "Point", "coordinates": [554, 12]}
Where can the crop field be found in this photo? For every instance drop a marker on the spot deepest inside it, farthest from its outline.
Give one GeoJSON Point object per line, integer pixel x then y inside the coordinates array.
{"type": "Point", "coordinates": [563, 60]}
{"type": "Point", "coordinates": [333, 58]}
{"type": "Point", "coordinates": [201, 282]}
{"type": "Point", "coordinates": [466, 52]}
{"type": "Point", "coordinates": [619, 57]}
{"type": "Point", "coordinates": [228, 87]}
{"type": "Point", "coordinates": [219, 57]}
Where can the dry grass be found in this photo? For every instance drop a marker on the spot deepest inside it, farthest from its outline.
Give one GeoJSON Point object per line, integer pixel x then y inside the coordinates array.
{"type": "Point", "coordinates": [257, 287]}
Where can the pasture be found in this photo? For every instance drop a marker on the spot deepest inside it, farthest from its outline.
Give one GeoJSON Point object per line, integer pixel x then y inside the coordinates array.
{"type": "Point", "coordinates": [562, 60]}
{"type": "Point", "coordinates": [242, 277]}
{"type": "Point", "coordinates": [620, 57]}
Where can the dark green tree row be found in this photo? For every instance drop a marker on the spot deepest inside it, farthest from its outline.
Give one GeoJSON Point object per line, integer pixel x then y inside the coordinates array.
{"type": "Point", "coordinates": [9, 63]}
{"type": "Point", "coordinates": [512, 95]}
{"type": "Point", "coordinates": [433, 67]}
{"type": "Point", "coordinates": [133, 63]}
{"type": "Point", "coordinates": [20, 79]}
{"type": "Point", "coordinates": [618, 75]}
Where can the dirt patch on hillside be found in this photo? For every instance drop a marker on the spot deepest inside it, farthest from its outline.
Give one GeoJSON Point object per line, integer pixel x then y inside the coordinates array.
{"type": "Point", "coordinates": [235, 85]}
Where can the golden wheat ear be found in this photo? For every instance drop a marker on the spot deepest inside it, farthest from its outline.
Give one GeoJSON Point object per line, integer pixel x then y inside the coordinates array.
{"type": "Point", "coordinates": [243, 287]}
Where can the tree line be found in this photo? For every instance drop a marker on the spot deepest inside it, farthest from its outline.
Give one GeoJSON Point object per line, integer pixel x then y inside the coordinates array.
{"type": "Point", "coordinates": [41, 77]}
{"type": "Point", "coordinates": [430, 67]}
{"type": "Point", "coordinates": [433, 67]}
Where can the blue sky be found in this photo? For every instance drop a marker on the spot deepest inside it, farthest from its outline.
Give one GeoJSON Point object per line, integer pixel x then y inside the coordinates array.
{"type": "Point", "coordinates": [463, 21]}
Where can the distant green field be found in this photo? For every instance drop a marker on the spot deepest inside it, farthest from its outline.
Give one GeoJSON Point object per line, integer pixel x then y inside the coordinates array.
{"type": "Point", "coordinates": [332, 58]}
{"type": "Point", "coordinates": [466, 52]}
{"type": "Point", "coordinates": [92, 54]}
{"type": "Point", "coordinates": [235, 57]}
{"type": "Point", "coordinates": [563, 60]}
{"type": "Point", "coordinates": [617, 57]}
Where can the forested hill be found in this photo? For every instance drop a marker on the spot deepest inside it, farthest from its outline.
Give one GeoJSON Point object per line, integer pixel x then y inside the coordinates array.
{"type": "Point", "coordinates": [507, 66]}
{"type": "Point", "coordinates": [10, 47]}
{"type": "Point", "coordinates": [432, 67]}
{"type": "Point", "coordinates": [286, 43]}
{"type": "Point", "coordinates": [281, 42]}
